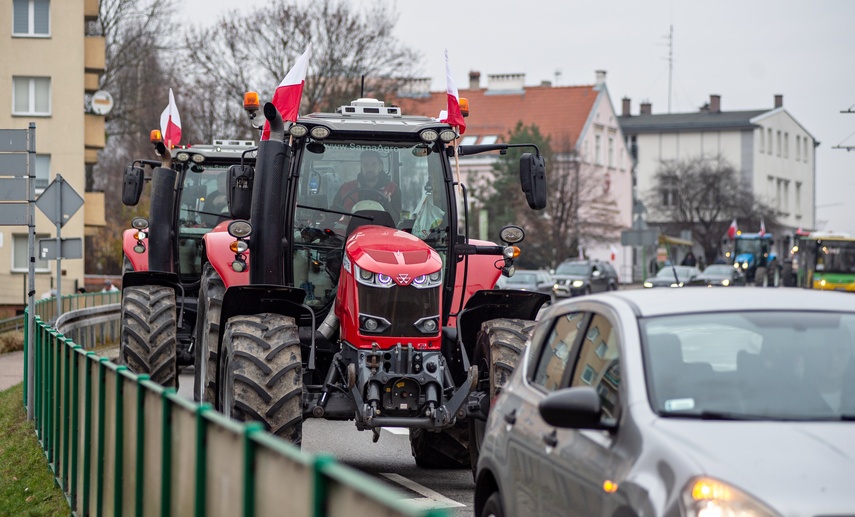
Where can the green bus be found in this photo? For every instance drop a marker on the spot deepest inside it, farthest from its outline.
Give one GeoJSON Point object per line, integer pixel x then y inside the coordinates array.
{"type": "Point", "coordinates": [826, 261]}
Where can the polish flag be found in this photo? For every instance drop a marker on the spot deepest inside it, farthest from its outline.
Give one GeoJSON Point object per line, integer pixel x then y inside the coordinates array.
{"type": "Point", "coordinates": [170, 123]}
{"type": "Point", "coordinates": [453, 115]}
{"type": "Point", "coordinates": [613, 252]}
{"type": "Point", "coordinates": [731, 232]}
{"type": "Point", "coordinates": [762, 227]}
{"type": "Point", "coordinates": [288, 94]}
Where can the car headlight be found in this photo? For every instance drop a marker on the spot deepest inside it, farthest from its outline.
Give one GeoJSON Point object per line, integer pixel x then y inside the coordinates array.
{"type": "Point", "coordinates": [578, 283]}
{"type": "Point", "coordinates": [725, 282]}
{"type": "Point", "coordinates": [706, 497]}
{"type": "Point", "coordinates": [648, 284]}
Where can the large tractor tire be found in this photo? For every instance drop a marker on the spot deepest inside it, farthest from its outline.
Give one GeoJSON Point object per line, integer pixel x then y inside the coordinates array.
{"type": "Point", "coordinates": [446, 449]}
{"type": "Point", "coordinates": [788, 276]}
{"type": "Point", "coordinates": [262, 377]}
{"type": "Point", "coordinates": [207, 333]}
{"type": "Point", "coordinates": [761, 277]}
{"type": "Point", "coordinates": [149, 327]}
{"type": "Point", "coordinates": [498, 350]}
{"type": "Point", "coordinates": [774, 275]}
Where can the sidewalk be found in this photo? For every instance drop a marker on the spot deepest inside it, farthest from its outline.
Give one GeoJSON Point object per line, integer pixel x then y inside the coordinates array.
{"type": "Point", "coordinates": [11, 369]}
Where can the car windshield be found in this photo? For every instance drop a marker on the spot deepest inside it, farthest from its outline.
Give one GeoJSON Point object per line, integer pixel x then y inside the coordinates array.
{"type": "Point", "coordinates": [780, 365]}
{"type": "Point", "coordinates": [683, 272]}
{"type": "Point", "coordinates": [573, 268]}
{"type": "Point", "coordinates": [718, 270]}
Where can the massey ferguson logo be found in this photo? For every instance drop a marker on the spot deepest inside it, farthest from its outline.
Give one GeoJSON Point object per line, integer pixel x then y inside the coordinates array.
{"type": "Point", "coordinates": [403, 278]}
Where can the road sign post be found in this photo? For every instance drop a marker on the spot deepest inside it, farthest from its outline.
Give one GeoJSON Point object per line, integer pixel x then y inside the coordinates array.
{"type": "Point", "coordinates": [17, 208]}
{"type": "Point", "coordinates": [59, 202]}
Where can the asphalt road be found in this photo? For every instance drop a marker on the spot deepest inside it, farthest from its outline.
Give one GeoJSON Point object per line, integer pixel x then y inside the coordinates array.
{"type": "Point", "coordinates": [388, 460]}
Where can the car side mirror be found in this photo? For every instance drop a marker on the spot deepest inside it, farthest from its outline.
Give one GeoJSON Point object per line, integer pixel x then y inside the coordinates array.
{"type": "Point", "coordinates": [573, 408]}
{"type": "Point", "coordinates": [596, 274]}
{"type": "Point", "coordinates": [240, 190]}
{"type": "Point", "coordinates": [132, 185]}
{"type": "Point", "coordinates": [533, 180]}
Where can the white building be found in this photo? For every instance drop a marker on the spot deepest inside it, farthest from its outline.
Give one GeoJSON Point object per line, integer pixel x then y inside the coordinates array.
{"type": "Point", "coordinates": [769, 147]}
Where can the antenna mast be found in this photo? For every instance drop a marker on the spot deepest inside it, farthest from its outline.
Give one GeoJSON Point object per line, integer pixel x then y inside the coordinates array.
{"type": "Point", "coordinates": [670, 63]}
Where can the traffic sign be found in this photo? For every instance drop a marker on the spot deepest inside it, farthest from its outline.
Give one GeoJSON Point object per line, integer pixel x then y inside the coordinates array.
{"type": "Point", "coordinates": [13, 189]}
{"type": "Point", "coordinates": [59, 201]}
{"type": "Point", "coordinates": [71, 249]}
{"type": "Point", "coordinates": [13, 140]}
{"type": "Point", "coordinates": [13, 164]}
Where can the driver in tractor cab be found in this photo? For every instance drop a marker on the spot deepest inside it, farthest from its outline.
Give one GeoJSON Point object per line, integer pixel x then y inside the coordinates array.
{"type": "Point", "coordinates": [371, 177]}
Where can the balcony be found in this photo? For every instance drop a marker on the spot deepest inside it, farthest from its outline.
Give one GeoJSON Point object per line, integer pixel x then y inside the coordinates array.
{"type": "Point", "coordinates": [95, 51]}
{"type": "Point", "coordinates": [94, 137]}
{"type": "Point", "coordinates": [90, 9]}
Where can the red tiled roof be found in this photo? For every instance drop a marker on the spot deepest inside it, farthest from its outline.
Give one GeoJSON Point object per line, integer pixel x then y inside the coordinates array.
{"type": "Point", "coordinates": [558, 112]}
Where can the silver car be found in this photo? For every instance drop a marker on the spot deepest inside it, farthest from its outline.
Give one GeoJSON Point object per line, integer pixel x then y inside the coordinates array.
{"type": "Point", "coordinates": [678, 402]}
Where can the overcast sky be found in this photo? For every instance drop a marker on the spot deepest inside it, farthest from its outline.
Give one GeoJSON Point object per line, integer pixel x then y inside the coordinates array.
{"type": "Point", "coordinates": [744, 51]}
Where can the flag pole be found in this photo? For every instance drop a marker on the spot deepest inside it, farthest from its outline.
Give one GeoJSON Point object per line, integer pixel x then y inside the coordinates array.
{"type": "Point", "coordinates": [457, 165]}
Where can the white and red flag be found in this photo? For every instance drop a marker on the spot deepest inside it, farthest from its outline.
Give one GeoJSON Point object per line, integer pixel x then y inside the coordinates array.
{"type": "Point", "coordinates": [170, 123]}
{"type": "Point", "coordinates": [762, 227]}
{"type": "Point", "coordinates": [731, 231]}
{"type": "Point", "coordinates": [289, 93]}
{"type": "Point", "coordinates": [453, 116]}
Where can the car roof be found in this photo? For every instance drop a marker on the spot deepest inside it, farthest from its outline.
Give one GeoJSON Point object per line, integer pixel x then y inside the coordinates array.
{"type": "Point", "coordinates": [687, 300]}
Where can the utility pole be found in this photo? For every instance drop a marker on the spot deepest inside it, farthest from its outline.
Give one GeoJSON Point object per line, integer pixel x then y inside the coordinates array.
{"type": "Point", "coordinates": [847, 147]}
{"type": "Point", "coordinates": [670, 63]}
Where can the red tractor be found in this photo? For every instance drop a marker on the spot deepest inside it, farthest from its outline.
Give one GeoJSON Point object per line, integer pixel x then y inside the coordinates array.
{"type": "Point", "coordinates": [163, 253]}
{"type": "Point", "coordinates": [349, 299]}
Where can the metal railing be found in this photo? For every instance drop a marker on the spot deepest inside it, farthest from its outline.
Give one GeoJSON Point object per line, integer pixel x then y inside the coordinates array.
{"type": "Point", "coordinates": [119, 444]}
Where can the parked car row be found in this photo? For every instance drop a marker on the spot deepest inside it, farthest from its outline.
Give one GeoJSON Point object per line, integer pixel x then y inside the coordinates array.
{"type": "Point", "coordinates": [715, 275]}
{"type": "Point", "coordinates": [678, 402]}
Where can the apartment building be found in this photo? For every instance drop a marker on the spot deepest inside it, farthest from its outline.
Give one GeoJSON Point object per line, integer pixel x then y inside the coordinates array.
{"type": "Point", "coordinates": [51, 65]}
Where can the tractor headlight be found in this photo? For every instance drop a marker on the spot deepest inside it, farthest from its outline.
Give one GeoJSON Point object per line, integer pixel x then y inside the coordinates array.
{"type": "Point", "coordinates": [198, 158]}
{"type": "Point", "coordinates": [512, 234]}
{"type": "Point", "coordinates": [298, 130]}
{"type": "Point", "coordinates": [182, 156]}
{"type": "Point", "coordinates": [240, 229]}
{"type": "Point", "coordinates": [140, 223]}
{"type": "Point", "coordinates": [429, 135]}
{"type": "Point", "coordinates": [320, 132]}
{"type": "Point", "coordinates": [447, 135]}
{"type": "Point", "coordinates": [427, 281]}
{"type": "Point", "coordinates": [371, 279]}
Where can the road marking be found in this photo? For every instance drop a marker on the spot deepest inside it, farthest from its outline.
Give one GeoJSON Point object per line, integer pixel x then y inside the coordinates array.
{"type": "Point", "coordinates": [397, 430]}
{"type": "Point", "coordinates": [431, 499]}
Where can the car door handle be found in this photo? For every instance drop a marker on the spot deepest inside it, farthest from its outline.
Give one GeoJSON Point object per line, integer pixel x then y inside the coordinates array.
{"type": "Point", "coordinates": [551, 439]}
{"type": "Point", "coordinates": [511, 418]}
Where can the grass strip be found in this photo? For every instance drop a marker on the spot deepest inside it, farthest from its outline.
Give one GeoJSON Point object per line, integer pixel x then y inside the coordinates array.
{"type": "Point", "coordinates": [27, 485]}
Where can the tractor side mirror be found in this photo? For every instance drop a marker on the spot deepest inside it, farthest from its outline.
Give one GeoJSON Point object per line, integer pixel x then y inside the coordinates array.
{"type": "Point", "coordinates": [240, 190]}
{"type": "Point", "coordinates": [132, 185]}
{"type": "Point", "coordinates": [533, 180]}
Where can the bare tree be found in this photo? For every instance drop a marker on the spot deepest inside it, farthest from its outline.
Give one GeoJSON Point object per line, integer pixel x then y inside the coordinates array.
{"type": "Point", "coordinates": [138, 71]}
{"type": "Point", "coordinates": [579, 209]}
{"type": "Point", "coordinates": [254, 51]}
{"type": "Point", "coordinates": [704, 194]}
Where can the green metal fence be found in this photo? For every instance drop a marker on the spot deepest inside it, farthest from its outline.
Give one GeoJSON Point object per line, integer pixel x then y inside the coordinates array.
{"type": "Point", "coordinates": [119, 444]}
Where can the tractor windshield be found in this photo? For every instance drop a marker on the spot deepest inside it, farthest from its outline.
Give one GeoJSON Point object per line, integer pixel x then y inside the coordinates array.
{"type": "Point", "coordinates": [204, 204]}
{"type": "Point", "coordinates": [396, 184]}
{"type": "Point", "coordinates": [751, 246]}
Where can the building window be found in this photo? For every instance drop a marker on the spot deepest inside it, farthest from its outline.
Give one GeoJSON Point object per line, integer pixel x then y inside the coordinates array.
{"type": "Point", "coordinates": [597, 150]}
{"type": "Point", "coordinates": [778, 194]}
{"type": "Point", "coordinates": [786, 145]}
{"type": "Point", "coordinates": [31, 96]}
{"type": "Point", "coordinates": [778, 148]}
{"type": "Point", "coordinates": [42, 172]}
{"type": "Point", "coordinates": [769, 141]}
{"type": "Point", "coordinates": [762, 141]}
{"type": "Point", "coordinates": [611, 151]}
{"type": "Point", "coordinates": [489, 139]}
{"type": "Point", "coordinates": [669, 196]}
{"type": "Point", "coordinates": [798, 200]}
{"type": "Point", "coordinates": [770, 187]}
{"type": "Point", "coordinates": [31, 18]}
{"type": "Point", "coordinates": [468, 140]}
{"type": "Point", "coordinates": [805, 143]}
{"type": "Point", "coordinates": [798, 148]}
{"type": "Point", "coordinates": [786, 196]}
{"type": "Point", "coordinates": [21, 253]}
{"type": "Point", "coordinates": [588, 374]}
